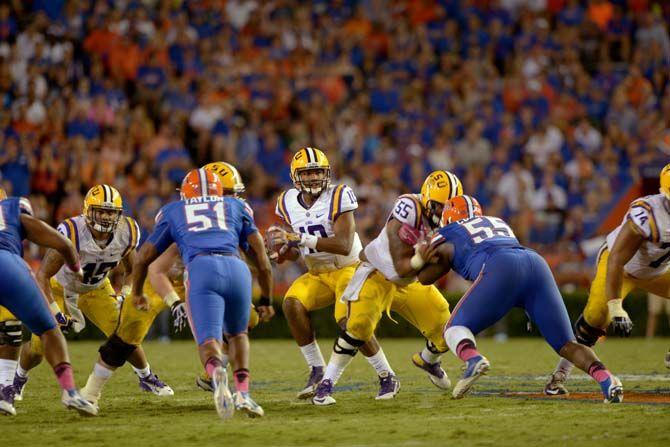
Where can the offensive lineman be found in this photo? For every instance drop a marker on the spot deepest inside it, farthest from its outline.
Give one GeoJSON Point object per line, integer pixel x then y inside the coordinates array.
{"type": "Point", "coordinates": [636, 255]}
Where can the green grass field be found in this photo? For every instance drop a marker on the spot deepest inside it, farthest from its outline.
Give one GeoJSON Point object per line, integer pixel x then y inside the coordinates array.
{"type": "Point", "coordinates": [420, 415]}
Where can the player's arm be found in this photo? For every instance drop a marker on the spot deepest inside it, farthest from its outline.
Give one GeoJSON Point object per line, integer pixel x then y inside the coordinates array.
{"type": "Point", "coordinates": [259, 258]}
{"type": "Point", "coordinates": [127, 262]}
{"type": "Point", "coordinates": [159, 275]}
{"type": "Point", "coordinates": [50, 265]}
{"type": "Point", "coordinates": [439, 264]}
{"type": "Point", "coordinates": [400, 248]}
{"type": "Point", "coordinates": [42, 234]}
{"type": "Point", "coordinates": [627, 243]}
{"type": "Point", "coordinates": [156, 243]}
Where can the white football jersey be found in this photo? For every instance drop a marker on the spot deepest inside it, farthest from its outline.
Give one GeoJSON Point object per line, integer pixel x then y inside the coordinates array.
{"type": "Point", "coordinates": [318, 220]}
{"type": "Point", "coordinates": [407, 209]}
{"type": "Point", "coordinates": [650, 216]}
{"type": "Point", "coordinates": [96, 262]}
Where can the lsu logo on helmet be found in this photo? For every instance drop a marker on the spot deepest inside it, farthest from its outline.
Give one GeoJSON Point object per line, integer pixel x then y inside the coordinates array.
{"type": "Point", "coordinates": [231, 180]}
{"type": "Point", "coordinates": [103, 207]}
{"type": "Point", "coordinates": [664, 180]}
{"type": "Point", "coordinates": [437, 189]}
{"type": "Point", "coordinates": [308, 159]}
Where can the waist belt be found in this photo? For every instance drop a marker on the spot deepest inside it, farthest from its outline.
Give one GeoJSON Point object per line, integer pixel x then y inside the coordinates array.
{"type": "Point", "coordinates": [217, 253]}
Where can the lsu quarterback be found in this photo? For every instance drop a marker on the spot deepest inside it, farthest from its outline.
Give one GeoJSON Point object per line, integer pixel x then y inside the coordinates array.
{"type": "Point", "coordinates": [167, 271]}
{"type": "Point", "coordinates": [385, 280]}
{"type": "Point", "coordinates": [104, 238]}
{"type": "Point", "coordinates": [323, 233]}
{"type": "Point", "coordinates": [635, 255]}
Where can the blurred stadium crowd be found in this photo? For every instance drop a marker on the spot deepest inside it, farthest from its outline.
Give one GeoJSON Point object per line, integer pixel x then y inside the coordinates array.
{"type": "Point", "coordinates": [546, 109]}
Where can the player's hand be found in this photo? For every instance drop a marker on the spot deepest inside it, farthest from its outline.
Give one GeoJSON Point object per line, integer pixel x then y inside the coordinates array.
{"type": "Point", "coordinates": [621, 322]}
{"type": "Point", "coordinates": [64, 322]}
{"type": "Point", "coordinates": [140, 302]}
{"type": "Point", "coordinates": [77, 270]}
{"type": "Point", "coordinates": [279, 237]}
{"type": "Point", "coordinates": [265, 309]}
{"type": "Point", "coordinates": [179, 316]}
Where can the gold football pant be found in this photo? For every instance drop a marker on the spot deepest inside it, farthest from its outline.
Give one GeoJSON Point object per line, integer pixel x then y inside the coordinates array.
{"type": "Point", "coordinates": [422, 306]}
{"type": "Point", "coordinates": [596, 311]}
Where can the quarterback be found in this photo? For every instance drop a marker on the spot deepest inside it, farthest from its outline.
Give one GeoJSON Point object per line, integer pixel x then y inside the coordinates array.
{"type": "Point", "coordinates": [635, 255]}
{"type": "Point", "coordinates": [104, 238]}
{"type": "Point", "coordinates": [323, 233]}
{"type": "Point", "coordinates": [385, 281]}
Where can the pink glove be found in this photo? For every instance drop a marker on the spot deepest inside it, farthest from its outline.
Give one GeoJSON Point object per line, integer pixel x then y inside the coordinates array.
{"type": "Point", "coordinates": [409, 235]}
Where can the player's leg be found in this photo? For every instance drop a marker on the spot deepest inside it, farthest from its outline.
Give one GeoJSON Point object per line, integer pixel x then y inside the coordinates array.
{"type": "Point", "coordinates": [490, 298]}
{"type": "Point", "coordinates": [362, 319]}
{"type": "Point", "coordinates": [30, 306]}
{"type": "Point", "coordinates": [545, 307]}
{"type": "Point", "coordinates": [307, 293]}
{"type": "Point", "coordinates": [10, 344]}
{"type": "Point", "coordinates": [428, 311]}
{"type": "Point", "coordinates": [590, 326]}
{"type": "Point", "coordinates": [237, 295]}
{"type": "Point", "coordinates": [32, 351]}
{"type": "Point", "coordinates": [371, 350]}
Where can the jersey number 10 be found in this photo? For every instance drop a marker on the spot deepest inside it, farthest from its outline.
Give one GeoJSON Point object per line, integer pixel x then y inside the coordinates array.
{"type": "Point", "coordinates": [199, 216]}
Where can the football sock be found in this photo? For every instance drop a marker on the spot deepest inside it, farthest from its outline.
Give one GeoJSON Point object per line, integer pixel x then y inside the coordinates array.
{"type": "Point", "coordinates": [96, 382]}
{"type": "Point", "coordinates": [22, 373]}
{"type": "Point", "coordinates": [7, 369]}
{"type": "Point", "coordinates": [430, 357]}
{"type": "Point", "coordinates": [466, 350]}
{"type": "Point", "coordinates": [211, 365]}
{"type": "Point", "coordinates": [312, 354]}
{"type": "Point", "coordinates": [598, 371]}
{"type": "Point", "coordinates": [241, 377]}
{"type": "Point", "coordinates": [564, 366]}
{"type": "Point", "coordinates": [64, 376]}
{"type": "Point", "coordinates": [339, 360]}
{"type": "Point", "coordinates": [143, 372]}
{"type": "Point", "coordinates": [380, 363]}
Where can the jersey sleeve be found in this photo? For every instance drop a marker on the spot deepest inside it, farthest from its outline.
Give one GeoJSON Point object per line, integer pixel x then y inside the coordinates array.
{"type": "Point", "coordinates": [134, 234]}
{"type": "Point", "coordinates": [248, 224]}
{"type": "Point", "coordinates": [161, 238]}
{"type": "Point", "coordinates": [25, 207]}
{"type": "Point", "coordinates": [281, 209]}
{"type": "Point", "coordinates": [641, 216]}
{"type": "Point", "coordinates": [406, 210]}
{"type": "Point", "coordinates": [68, 228]}
{"type": "Point", "coordinates": [343, 200]}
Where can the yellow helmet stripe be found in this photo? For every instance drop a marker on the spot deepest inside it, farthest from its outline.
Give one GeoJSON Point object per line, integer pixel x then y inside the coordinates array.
{"type": "Point", "coordinates": [336, 203]}
{"type": "Point", "coordinates": [281, 203]}
{"type": "Point", "coordinates": [72, 233]}
{"type": "Point", "coordinates": [652, 221]}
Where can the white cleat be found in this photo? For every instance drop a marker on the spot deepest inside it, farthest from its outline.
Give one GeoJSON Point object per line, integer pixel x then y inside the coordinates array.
{"type": "Point", "coordinates": [74, 401]}
{"type": "Point", "coordinates": [245, 404]}
{"type": "Point", "coordinates": [7, 401]}
{"type": "Point", "coordinates": [475, 368]}
{"type": "Point", "coordinates": [152, 384]}
{"type": "Point", "coordinates": [613, 392]}
{"type": "Point", "coordinates": [223, 399]}
{"type": "Point", "coordinates": [323, 395]}
{"type": "Point", "coordinates": [556, 384]}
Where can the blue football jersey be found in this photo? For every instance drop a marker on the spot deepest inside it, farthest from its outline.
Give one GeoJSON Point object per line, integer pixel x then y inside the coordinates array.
{"type": "Point", "coordinates": [474, 239]}
{"type": "Point", "coordinates": [203, 225]}
{"type": "Point", "coordinates": [11, 230]}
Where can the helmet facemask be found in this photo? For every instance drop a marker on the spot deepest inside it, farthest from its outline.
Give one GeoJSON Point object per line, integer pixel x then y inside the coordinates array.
{"type": "Point", "coordinates": [103, 219]}
{"type": "Point", "coordinates": [307, 182]}
{"type": "Point", "coordinates": [433, 213]}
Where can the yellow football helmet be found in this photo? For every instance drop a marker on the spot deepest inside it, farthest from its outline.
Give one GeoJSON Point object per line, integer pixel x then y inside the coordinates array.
{"type": "Point", "coordinates": [438, 187]}
{"type": "Point", "coordinates": [103, 208]}
{"type": "Point", "coordinates": [3, 193]}
{"type": "Point", "coordinates": [665, 181]}
{"type": "Point", "coordinates": [307, 159]}
{"type": "Point", "coordinates": [227, 173]}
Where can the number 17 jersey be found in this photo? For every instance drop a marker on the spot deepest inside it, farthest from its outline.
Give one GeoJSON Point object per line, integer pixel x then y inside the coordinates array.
{"type": "Point", "coordinates": [203, 225]}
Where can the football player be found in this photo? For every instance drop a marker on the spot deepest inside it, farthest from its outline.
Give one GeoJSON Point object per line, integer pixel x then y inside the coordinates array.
{"type": "Point", "coordinates": [323, 233]}
{"type": "Point", "coordinates": [103, 238]}
{"type": "Point", "coordinates": [166, 273]}
{"type": "Point", "coordinates": [21, 296]}
{"type": "Point", "coordinates": [385, 281]}
{"type": "Point", "coordinates": [505, 274]}
{"type": "Point", "coordinates": [635, 255]}
{"type": "Point", "coordinates": [209, 229]}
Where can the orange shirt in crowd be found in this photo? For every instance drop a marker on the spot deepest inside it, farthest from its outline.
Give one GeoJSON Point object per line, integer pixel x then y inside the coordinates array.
{"type": "Point", "coordinates": [600, 12]}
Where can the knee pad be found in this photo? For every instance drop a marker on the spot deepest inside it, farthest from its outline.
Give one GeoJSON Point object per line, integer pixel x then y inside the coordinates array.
{"type": "Point", "coordinates": [585, 333]}
{"type": "Point", "coordinates": [456, 334]}
{"type": "Point", "coordinates": [11, 333]}
{"type": "Point", "coordinates": [346, 344]}
{"type": "Point", "coordinates": [115, 351]}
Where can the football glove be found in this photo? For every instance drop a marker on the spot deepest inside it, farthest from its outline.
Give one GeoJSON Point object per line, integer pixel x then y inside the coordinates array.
{"type": "Point", "coordinates": [621, 322]}
{"type": "Point", "coordinates": [179, 316]}
{"type": "Point", "coordinates": [64, 322]}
